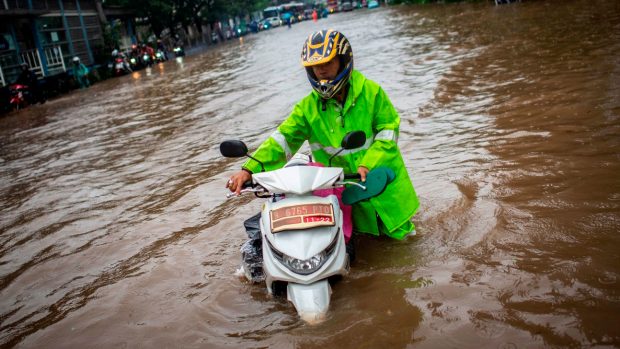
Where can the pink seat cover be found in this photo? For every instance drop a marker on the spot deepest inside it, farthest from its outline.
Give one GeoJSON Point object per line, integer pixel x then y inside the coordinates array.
{"type": "Point", "coordinates": [347, 220]}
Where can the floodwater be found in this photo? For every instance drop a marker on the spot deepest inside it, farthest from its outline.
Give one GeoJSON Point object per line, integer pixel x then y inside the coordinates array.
{"type": "Point", "coordinates": [115, 231]}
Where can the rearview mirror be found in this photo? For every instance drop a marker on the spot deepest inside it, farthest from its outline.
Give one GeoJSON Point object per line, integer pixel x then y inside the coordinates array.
{"type": "Point", "coordinates": [233, 149]}
{"type": "Point", "coordinates": [353, 140]}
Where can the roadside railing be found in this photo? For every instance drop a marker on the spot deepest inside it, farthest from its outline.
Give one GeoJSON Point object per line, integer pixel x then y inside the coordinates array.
{"type": "Point", "coordinates": [33, 59]}
{"type": "Point", "coordinates": [53, 57]}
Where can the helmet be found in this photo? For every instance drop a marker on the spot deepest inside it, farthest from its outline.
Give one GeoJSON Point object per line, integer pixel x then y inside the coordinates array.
{"type": "Point", "coordinates": [321, 47]}
{"type": "Point", "coordinates": [25, 66]}
{"type": "Point", "coordinates": [76, 59]}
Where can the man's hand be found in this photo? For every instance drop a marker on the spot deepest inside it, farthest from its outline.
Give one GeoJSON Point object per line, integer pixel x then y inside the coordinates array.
{"type": "Point", "coordinates": [363, 171]}
{"type": "Point", "coordinates": [236, 181]}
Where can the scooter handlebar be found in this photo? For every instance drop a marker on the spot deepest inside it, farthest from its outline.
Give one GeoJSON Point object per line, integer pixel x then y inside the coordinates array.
{"type": "Point", "coordinates": [247, 187]}
{"type": "Point", "coordinates": [248, 190]}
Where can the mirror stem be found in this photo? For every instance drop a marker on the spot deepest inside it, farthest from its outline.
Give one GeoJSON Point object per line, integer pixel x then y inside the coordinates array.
{"type": "Point", "coordinates": [262, 166]}
{"type": "Point", "coordinates": [330, 159]}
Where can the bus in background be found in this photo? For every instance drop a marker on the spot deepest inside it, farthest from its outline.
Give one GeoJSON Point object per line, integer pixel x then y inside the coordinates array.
{"type": "Point", "coordinates": [271, 18]}
{"type": "Point", "coordinates": [295, 10]}
{"type": "Point", "coordinates": [273, 11]}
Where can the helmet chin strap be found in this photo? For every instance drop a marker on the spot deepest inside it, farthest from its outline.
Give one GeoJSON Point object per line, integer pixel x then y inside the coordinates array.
{"type": "Point", "coordinates": [325, 85]}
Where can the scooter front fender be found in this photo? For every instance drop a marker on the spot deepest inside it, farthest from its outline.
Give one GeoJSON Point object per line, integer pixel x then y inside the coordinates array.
{"type": "Point", "coordinates": [311, 301]}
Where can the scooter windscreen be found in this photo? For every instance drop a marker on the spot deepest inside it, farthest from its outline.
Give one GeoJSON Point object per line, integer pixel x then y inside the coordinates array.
{"type": "Point", "coordinates": [298, 179]}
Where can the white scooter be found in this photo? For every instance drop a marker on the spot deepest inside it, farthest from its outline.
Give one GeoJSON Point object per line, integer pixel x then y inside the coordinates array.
{"type": "Point", "coordinates": [303, 242]}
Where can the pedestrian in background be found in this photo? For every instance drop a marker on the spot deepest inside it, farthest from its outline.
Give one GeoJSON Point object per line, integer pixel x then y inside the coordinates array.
{"type": "Point", "coordinates": [80, 72]}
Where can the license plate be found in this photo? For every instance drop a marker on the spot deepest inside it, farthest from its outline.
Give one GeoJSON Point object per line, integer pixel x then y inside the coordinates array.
{"type": "Point", "coordinates": [301, 217]}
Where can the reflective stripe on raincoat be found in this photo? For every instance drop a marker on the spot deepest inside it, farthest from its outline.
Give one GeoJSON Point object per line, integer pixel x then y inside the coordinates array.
{"type": "Point", "coordinates": [367, 109]}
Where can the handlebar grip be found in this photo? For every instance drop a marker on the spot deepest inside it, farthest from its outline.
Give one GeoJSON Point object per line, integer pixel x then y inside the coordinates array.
{"type": "Point", "coordinates": [352, 176]}
{"type": "Point", "coordinates": [248, 184]}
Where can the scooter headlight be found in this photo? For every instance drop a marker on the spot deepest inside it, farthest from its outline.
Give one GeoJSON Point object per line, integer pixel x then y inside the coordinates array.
{"type": "Point", "coordinates": [306, 267]}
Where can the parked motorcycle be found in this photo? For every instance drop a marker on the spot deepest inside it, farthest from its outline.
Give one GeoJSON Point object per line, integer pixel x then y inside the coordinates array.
{"type": "Point", "coordinates": [303, 244]}
{"type": "Point", "coordinates": [20, 96]}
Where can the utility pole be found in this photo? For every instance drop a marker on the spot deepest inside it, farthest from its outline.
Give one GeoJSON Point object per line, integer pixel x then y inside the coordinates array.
{"type": "Point", "coordinates": [102, 17]}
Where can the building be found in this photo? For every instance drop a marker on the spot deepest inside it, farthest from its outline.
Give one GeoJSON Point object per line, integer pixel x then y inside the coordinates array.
{"type": "Point", "coordinates": [46, 34]}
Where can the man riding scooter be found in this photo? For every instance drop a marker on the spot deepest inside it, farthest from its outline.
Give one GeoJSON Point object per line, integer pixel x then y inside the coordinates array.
{"type": "Point", "coordinates": [343, 100]}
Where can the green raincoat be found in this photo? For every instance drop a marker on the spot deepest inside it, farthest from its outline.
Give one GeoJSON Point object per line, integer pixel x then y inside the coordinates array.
{"type": "Point", "coordinates": [367, 108]}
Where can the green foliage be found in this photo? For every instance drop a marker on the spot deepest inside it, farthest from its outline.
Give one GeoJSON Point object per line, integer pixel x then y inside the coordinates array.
{"type": "Point", "coordinates": [111, 36]}
{"type": "Point", "coordinates": [163, 14]}
{"type": "Point", "coordinates": [398, 2]}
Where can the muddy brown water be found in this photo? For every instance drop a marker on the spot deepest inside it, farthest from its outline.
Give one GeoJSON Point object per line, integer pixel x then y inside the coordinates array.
{"type": "Point", "coordinates": [115, 231]}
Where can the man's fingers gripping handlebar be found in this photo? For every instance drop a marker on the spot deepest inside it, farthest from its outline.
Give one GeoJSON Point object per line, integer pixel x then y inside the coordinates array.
{"type": "Point", "coordinates": [247, 188]}
{"type": "Point", "coordinates": [239, 181]}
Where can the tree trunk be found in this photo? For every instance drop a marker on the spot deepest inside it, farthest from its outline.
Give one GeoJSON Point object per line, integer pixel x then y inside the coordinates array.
{"type": "Point", "coordinates": [209, 34]}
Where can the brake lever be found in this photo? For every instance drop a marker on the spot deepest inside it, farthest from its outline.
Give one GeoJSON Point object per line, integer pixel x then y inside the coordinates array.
{"type": "Point", "coordinates": [247, 190]}
{"type": "Point", "coordinates": [352, 183]}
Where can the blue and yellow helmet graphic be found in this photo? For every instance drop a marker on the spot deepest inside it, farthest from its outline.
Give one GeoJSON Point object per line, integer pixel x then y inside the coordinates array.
{"type": "Point", "coordinates": [321, 47]}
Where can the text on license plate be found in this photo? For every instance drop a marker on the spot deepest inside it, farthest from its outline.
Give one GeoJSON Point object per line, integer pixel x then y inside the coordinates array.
{"type": "Point", "coordinates": [301, 217]}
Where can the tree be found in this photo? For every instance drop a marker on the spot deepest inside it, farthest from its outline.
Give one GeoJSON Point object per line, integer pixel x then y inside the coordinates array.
{"type": "Point", "coordinates": [162, 14]}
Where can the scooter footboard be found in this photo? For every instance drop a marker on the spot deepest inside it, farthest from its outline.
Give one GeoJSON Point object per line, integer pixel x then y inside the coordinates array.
{"type": "Point", "coordinates": [311, 301]}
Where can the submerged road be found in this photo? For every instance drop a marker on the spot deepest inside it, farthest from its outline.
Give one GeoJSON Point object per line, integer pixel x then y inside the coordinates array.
{"type": "Point", "coordinates": [115, 231]}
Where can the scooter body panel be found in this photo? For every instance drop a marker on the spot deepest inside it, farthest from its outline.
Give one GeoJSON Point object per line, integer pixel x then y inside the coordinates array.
{"type": "Point", "coordinates": [303, 244]}
{"type": "Point", "coordinates": [311, 301]}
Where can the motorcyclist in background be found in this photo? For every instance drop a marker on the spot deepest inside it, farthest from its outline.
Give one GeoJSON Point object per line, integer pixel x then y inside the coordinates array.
{"type": "Point", "coordinates": [134, 49]}
{"type": "Point", "coordinates": [162, 48]}
{"type": "Point", "coordinates": [134, 52]}
{"type": "Point", "coordinates": [146, 49]}
{"type": "Point", "coordinates": [28, 78]}
{"type": "Point", "coordinates": [119, 54]}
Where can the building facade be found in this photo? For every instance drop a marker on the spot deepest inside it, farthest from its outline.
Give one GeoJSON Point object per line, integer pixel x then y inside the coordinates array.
{"type": "Point", "coordinates": [46, 34]}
